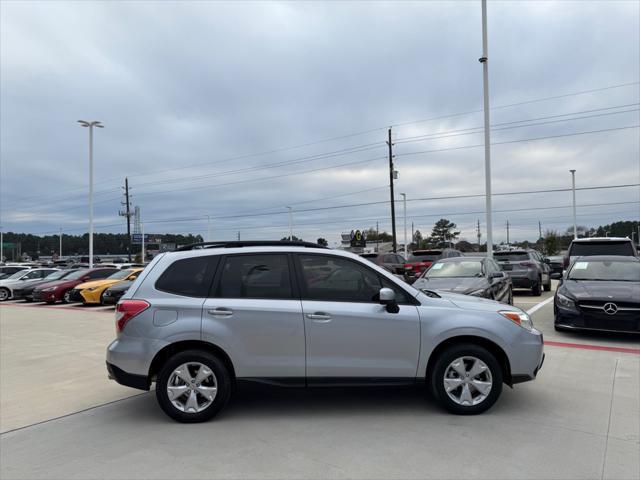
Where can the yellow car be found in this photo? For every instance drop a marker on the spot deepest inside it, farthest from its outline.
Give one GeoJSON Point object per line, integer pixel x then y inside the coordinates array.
{"type": "Point", "coordinates": [91, 292]}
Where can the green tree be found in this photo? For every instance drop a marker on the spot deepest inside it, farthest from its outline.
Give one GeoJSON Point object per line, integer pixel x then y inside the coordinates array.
{"type": "Point", "coordinates": [551, 244]}
{"type": "Point", "coordinates": [323, 242]}
{"type": "Point", "coordinates": [443, 232]}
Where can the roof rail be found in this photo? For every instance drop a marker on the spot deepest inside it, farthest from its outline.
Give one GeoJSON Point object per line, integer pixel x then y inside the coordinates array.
{"type": "Point", "coordinates": [248, 243]}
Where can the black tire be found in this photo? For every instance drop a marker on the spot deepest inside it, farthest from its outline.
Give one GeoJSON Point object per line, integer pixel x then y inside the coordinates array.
{"type": "Point", "coordinates": [65, 297]}
{"type": "Point", "coordinates": [5, 294]}
{"type": "Point", "coordinates": [510, 297]}
{"type": "Point", "coordinates": [547, 287]}
{"type": "Point", "coordinates": [224, 386]}
{"type": "Point", "coordinates": [536, 290]}
{"type": "Point", "coordinates": [438, 374]}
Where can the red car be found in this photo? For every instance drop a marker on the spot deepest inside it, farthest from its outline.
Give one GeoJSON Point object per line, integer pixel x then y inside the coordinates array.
{"type": "Point", "coordinates": [60, 290]}
{"type": "Point", "coordinates": [421, 260]}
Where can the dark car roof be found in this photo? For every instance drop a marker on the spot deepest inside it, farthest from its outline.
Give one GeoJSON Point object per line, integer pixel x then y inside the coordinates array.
{"type": "Point", "coordinates": [609, 258]}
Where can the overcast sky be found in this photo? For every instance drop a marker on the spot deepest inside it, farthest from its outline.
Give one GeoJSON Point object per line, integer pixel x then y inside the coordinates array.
{"type": "Point", "coordinates": [241, 108]}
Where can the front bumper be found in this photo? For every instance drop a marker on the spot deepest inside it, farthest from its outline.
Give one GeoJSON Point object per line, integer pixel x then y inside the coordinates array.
{"type": "Point", "coordinates": [39, 296]}
{"type": "Point", "coordinates": [570, 320]}
{"type": "Point", "coordinates": [75, 295]}
{"type": "Point", "coordinates": [110, 298]}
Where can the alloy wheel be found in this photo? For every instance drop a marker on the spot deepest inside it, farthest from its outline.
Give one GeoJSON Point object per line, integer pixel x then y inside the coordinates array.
{"type": "Point", "coordinates": [4, 294]}
{"type": "Point", "coordinates": [467, 381]}
{"type": "Point", "coordinates": [192, 387]}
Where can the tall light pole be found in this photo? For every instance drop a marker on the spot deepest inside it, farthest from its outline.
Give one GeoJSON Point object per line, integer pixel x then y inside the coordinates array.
{"type": "Point", "coordinates": [404, 201]}
{"type": "Point", "coordinates": [487, 131]}
{"type": "Point", "coordinates": [573, 191]}
{"type": "Point", "coordinates": [60, 249]}
{"type": "Point", "coordinates": [1, 244]}
{"type": "Point", "coordinates": [290, 224]}
{"type": "Point", "coordinates": [90, 125]}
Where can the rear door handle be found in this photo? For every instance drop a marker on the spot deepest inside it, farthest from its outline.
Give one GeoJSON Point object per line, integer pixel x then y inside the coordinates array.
{"type": "Point", "coordinates": [319, 317]}
{"type": "Point", "coordinates": [220, 312]}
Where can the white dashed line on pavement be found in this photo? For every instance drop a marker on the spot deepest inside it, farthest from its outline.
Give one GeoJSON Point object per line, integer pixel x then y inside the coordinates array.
{"type": "Point", "coordinates": [538, 306]}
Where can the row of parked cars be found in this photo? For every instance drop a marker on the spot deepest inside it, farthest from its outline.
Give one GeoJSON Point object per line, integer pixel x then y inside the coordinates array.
{"type": "Point", "coordinates": [92, 286]}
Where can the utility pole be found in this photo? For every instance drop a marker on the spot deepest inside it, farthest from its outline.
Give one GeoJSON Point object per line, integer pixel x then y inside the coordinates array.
{"type": "Point", "coordinates": [127, 213]}
{"type": "Point", "coordinates": [539, 229]}
{"type": "Point", "coordinates": [507, 232]}
{"type": "Point", "coordinates": [573, 190]}
{"type": "Point", "coordinates": [238, 235]}
{"type": "Point", "coordinates": [60, 249]}
{"type": "Point", "coordinates": [209, 239]}
{"type": "Point", "coordinates": [394, 244]}
{"type": "Point", "coordinates": [413, 234]}
{"type": "Point", "coordinates": [142, 232]}
{"type": "Point", "coordinates": [404, 201]}
{"type": "Point", "coordinates": [478, 234]}
{"type": "Point", "coordinates": [377, 236]}
{"type": "Point", "coordinates": [290, 224]}
{"type": "Point", "coordinates": [487, 129]}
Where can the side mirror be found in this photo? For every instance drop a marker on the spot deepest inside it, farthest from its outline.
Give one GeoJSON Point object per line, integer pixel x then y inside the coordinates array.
{"type": "Point", "coordinates": [388, 299]}
{"type": "Point", "coordinates": [547, 261]}
{"type": "Point", "coordinates": [497, 275]}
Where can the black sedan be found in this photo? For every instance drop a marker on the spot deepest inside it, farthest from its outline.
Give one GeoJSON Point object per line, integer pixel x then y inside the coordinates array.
{"type": "Point", "coordinates": [477, 276]}
{"type": "Point", "coordinates": [112, 294]}
{"type": "Point", "coordinates": [26, 292]}
{"type": "Point", "coordinates": [600, 293]}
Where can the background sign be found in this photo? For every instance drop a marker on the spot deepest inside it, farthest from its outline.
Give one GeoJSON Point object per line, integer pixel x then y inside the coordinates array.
{"type": "Point", "coordinates": [358, 239]}
{"type": "Point", "coordinates": [148, 238]}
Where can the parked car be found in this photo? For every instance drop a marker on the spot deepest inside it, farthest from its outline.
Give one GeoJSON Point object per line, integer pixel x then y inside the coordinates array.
{"type": "Point", "coordinates": [527, 269]}
{"type": "Point", "coordinates": [583, 247]}
{"type": "Point", "coordinates": [113, 294]}
{"type": "Point", "coordinates": [60, 290]}
{"type": "Point", "coordinates": [26, 291]}
{"type": "Point", "coordinates": [90, 293]}
{"type": "Point", "coordinates": [393, 262]}
{"type": "Point", "coordinates": [202, 318]}
{"type": "Point", "coordinates": [476, 276]}
{"type": "Point", "coordinates": [8, 270]}
{"type": "Point", "coordinates": [600, 293]}
{"type": "Point", "coordinates": [20, 279]}
{"type": "Point", "coordinates": [421, 260]}
{"type": "Point", "coordinates": [556, 264]}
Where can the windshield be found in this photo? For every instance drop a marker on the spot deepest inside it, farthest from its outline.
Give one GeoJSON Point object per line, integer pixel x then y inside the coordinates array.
{"type": "Point", "coordinates": [455, 270]}
{"type": "Point", "coordinates": [587, 249]}
{"type": "Point", "coordinates": [75, 275]}
{"type": "Point", "coordinates": [18, 274]}
{"type": "Point", "coordinates": [429, 256]}
{"type": "Point", "coordinates": [121, 275]}
{"type": "Point", "coordinates": [56, 275]}
{"type": "Point", "coordinates": [606, 270]}
{"type": "Point", "coordinates": [511, 256]}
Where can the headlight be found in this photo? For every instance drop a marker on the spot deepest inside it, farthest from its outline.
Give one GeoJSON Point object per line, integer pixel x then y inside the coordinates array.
{"type": "Point", "coordinates": [565, 302]}
{"type": "Point", "coordinates": [477, 293]}
{"type": "Point", "coordinates": [519, 318]}
{"type": "Point", "coordinates": [92, 289]}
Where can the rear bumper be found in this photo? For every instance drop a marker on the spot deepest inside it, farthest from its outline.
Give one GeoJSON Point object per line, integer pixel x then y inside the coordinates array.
{"type": "Point", "coordinates": [523, 280]}
{"type": "Point", "coordinates": [141, 382]}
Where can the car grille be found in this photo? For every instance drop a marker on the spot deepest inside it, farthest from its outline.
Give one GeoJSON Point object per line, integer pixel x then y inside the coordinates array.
{"type": "Point", "coordinates": [627, 316]}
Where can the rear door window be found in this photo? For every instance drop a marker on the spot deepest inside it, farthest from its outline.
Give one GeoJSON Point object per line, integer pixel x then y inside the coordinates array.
{"type": "Point", "coordinates": [189, 277]}
{"type": "Point", "coordinates": [255, 276]}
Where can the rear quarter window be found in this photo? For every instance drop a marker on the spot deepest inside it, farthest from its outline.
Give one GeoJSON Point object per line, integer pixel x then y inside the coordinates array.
{"type": "Point", "coordinates": [601, 248]}
{"type": "Point", "coordinates": [189, 277]}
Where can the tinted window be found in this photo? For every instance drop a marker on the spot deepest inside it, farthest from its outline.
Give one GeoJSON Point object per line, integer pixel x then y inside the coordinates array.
{"type": "Point", "coordinates": [601, 248]}
{"type": "Point", "coordinates": [341, 280]}
{"type": "Point", "coordinates": [190, 277]}
{"type": "Point", "coordinates": [512, 256]}
{"type": "Point", "coordinates": [605, 270]}
{"type": "Point", "coordinates": [255, 276]}
{"type": "Point", "coordinates": [102, 273]}
{"type": "Point", "coordinates": [429, 256]}
{"type": "Point", "coordinates": [33, 274]}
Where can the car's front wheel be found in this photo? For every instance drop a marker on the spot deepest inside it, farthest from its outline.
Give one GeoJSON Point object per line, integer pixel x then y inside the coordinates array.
{"type": "Point", "coordinates": [466, 379]}
{"type": "Point", "coordinates": [66, 297]}
{"type": "Point", "coordinates": [193, 386]}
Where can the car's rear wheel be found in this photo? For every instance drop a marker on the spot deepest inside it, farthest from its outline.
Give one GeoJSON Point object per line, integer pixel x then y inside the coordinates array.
{"type": "Point", "coordinates": [193, 386]}
{"type": "Point", "coordinates": [547, 286]}
{"type": "Point", "coordinates": [536, 290]}
{"type": "Point", "coordinates": [66, 297]}
{"type": "Point", "coordinates": [4, 294]}
{"type": "Point", "coordinates": [466, 379]}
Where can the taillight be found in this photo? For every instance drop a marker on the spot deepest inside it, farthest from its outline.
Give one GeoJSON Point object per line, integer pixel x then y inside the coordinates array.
{"type": "Point", "coordinates": [527, 264]}
{"type": "Point", "coordinates": [126, 310]}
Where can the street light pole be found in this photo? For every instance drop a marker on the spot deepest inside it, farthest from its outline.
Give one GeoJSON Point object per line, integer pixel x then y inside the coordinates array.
{"type": "Point", "coordinates": [1, 244]}
{"type": "Point", "coordinates": [487, 131]}
{"type": "Point", "coordinates": [290, 224]}
{"type": "Point", "coordinates": [90, 125]}
{"type": "Point", "coordinates": [573, 191]}
{"type": "Point", "coordinates": [404, 201]}
{"type": "Point", "coordinates": [60, 249]}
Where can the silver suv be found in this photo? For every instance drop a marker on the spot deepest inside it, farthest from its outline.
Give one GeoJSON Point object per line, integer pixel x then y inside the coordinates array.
{"type": "Point", "coordinates": [197, 321]}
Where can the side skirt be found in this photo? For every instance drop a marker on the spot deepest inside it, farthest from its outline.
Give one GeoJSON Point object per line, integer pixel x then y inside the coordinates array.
{"type": "Point", "coordinates": [333, 381]}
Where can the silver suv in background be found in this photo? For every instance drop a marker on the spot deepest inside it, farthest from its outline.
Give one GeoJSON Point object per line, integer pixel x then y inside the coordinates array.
{"type": "Point", "coordinates": [527, 269]}
{"type": "Point", "coordinates": [199, 320]}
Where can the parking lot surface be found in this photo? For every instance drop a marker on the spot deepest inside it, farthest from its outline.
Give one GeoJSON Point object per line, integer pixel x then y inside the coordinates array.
{"type": "Point", "coordinates": [579, 419]}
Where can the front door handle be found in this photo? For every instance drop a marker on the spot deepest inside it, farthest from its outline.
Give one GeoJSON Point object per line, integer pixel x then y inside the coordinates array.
{"type": "Point", "coordinates": [220, 312]}
{"type": "Point", "coordinates": [319, 317]}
